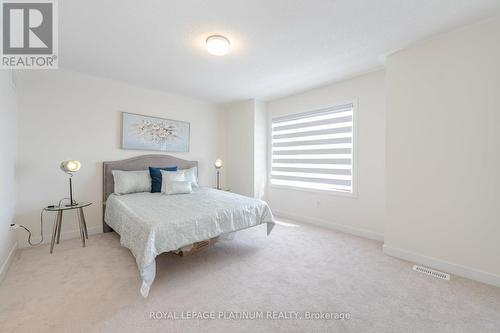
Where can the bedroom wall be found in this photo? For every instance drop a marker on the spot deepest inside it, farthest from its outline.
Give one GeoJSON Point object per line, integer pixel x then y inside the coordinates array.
{"type": "Point", "coordinates": [246, 148]}
{"type": "Point", "coordinates": [8, 144]}
{"type": "Point", "coordinates": [363, 214]}
{"type": "Point", "coordinates": [443, 161]}
{"type": "Point", "coordinates": [260, 150]}
{"type": "Point", "coordinates": [239, 166]}
{"type": "Point", "coordinates": [67, 115]}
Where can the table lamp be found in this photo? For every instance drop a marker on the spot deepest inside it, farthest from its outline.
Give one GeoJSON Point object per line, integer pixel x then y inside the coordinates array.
{"type": "Point", "coordinates": [218, 164]}
{"type": "Point", "coordinates": [70, 168]}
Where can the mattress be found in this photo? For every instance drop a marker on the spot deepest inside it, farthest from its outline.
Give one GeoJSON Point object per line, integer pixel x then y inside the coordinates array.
{"type": "Point", "coordinates": [152, 223]}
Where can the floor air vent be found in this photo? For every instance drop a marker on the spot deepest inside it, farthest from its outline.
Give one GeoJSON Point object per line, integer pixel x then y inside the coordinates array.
{"type": "Point", "coordinates": [432, 272]}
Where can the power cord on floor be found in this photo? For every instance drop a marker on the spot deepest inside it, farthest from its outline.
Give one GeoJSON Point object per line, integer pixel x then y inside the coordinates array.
{"type": "Point", "coordinates": [15, 226]}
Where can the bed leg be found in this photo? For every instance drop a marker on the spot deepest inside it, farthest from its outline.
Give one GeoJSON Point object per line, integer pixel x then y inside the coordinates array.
{"type": "Point", "coordinates": [270, 226]}
{"type": "Point", "coordinates": [105, 227]}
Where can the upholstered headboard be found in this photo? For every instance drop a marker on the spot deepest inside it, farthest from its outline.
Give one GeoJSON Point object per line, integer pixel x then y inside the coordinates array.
{"type": "Point", "coordinates": [136, 163]}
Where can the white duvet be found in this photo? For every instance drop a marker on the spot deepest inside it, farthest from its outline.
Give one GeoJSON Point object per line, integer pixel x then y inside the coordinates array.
{"type": "Point", "coordinates": [152, 223]}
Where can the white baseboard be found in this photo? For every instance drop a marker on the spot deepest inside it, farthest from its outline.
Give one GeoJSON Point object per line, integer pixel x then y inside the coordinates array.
{"type": "Point", "coordinates": [466, 272]}
{"type": "Point", "coordinates": [47, 237]}
{"type": "Point", "coordinates": [6, 264]}
{"type": "Point", "coordinates": [331, 225]}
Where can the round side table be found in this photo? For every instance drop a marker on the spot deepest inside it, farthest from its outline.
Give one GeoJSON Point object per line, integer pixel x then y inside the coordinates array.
{"type": "Point", "coordinates": [56, 231]}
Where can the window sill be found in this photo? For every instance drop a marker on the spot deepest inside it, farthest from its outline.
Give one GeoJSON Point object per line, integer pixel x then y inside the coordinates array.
{"type": "Point", "coordinates": [317, 191]}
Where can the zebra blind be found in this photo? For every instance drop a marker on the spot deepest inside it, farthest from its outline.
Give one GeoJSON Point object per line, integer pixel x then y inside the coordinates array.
{"type": "Point", "coordinates": [314, 150]}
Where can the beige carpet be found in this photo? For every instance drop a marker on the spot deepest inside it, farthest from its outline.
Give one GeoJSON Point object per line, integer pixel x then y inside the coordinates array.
{"type": "Point", "coordinates": [302, 269]}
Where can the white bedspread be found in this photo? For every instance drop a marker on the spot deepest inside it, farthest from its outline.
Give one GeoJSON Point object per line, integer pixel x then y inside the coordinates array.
{"type": "Point", "coordinates": [152, 223]}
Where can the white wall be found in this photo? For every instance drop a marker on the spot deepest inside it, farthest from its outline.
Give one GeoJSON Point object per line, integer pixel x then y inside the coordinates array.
{"type": "Point", "coordinates": [239, 167]}
{"type": "Point", "coordinates": [260, 149]}
{"type": "Point", "coordinates": [66, 115]}
{"type": "Point", "coordinates": [363, 214]}
{"type": "Point", "coordinates": [443, 157]}
{"type": "Point", "coordinates": [8, 144]}
{"type": "Point", "coordinates": [246, 148]}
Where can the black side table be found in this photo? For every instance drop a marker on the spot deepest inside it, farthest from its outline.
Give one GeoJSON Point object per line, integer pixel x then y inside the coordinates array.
{"type": "Point", "coordinates": [56, 231]}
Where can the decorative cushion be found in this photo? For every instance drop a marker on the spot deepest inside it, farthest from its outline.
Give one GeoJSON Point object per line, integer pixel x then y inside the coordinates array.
{"type": "Point", "coordinates": [171, 176]}
{"type": "Point", "coordinates": [177, 187]}
{"type": "Point", "coordinates": [155, 174]}
{"type": "Point", "coordinates": [131, 181]}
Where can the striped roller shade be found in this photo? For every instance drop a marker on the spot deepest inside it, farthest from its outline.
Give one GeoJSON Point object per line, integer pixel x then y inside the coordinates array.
{"type": "Point", "coordinates": [314, 149]}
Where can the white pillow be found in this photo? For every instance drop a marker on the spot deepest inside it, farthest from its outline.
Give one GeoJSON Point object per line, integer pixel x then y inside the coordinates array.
{"type": "Point", "coordinates": [191, 175]}
{"type": "Point", "coordinates": [178, 187]}
{"type": "Point", "coordinates": [171, 176]}
{"type": "Point", "coordinates": [131, 181]}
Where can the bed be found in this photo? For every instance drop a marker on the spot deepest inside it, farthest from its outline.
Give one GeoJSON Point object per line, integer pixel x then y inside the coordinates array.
{"type": "Point", "coordinates": [153, 223]}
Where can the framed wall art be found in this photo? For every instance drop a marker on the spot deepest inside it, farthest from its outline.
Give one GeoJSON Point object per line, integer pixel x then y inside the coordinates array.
{"type": "Point", "coordinates": [152, 133]}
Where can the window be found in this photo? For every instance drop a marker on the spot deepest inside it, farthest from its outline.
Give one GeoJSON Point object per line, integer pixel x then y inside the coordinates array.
{"type": "Point", "coordinates": [314, 150]}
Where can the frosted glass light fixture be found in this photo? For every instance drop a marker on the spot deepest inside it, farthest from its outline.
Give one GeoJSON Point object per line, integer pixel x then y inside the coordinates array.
{"type": "Point", "coordinates": [218, 164]}
{"type": "Point", "coordinates": [218, 45]}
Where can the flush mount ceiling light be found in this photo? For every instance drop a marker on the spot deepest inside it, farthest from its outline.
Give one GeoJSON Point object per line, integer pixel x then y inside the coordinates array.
{"type": "Point", "coordinates": [218, 45]}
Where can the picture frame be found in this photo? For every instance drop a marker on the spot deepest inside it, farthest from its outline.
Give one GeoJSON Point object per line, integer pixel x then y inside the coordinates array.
{"type": "Point", "coordinates": [141, 132]}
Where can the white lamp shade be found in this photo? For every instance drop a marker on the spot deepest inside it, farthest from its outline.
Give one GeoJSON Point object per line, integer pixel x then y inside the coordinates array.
{"type": "Point", "coordinates": [71, 166]}
{"type": "Point", "coordinates": [218, 163]}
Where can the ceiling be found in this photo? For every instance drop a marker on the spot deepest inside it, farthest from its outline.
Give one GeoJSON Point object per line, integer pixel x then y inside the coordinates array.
{"type": "Point", "coordinates": [279, 47]}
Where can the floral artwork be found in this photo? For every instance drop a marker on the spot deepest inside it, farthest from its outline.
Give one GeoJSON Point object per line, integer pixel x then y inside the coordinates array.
{"type": "Point", "coordinates": [152, 133]}
{"type": "Point", "coordinates": [156, 130]}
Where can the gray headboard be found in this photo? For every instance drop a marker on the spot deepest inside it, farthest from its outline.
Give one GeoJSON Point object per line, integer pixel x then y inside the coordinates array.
{"type": "Point", "coordinates": [136, 163]}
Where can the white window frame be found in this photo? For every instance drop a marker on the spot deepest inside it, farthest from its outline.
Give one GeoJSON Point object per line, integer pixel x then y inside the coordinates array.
{"type": "Point", "coordinates": [354, 181]}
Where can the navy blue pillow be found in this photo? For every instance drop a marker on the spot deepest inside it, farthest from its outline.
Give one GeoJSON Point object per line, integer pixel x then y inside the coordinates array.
{"type": "Point", "coordinates": [155, 174]}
